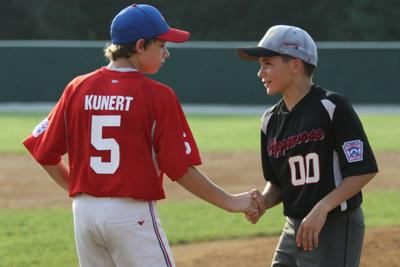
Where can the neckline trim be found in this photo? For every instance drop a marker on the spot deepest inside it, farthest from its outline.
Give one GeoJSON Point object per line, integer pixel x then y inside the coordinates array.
{"type": "Point", "coordinates": [304, 99]}
{"type": "Point", "coordinates": [121, 69]}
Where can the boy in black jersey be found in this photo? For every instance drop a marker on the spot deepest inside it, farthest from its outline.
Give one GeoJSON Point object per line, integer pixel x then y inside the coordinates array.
{"type": "Point", "coordinates": [315, 156]}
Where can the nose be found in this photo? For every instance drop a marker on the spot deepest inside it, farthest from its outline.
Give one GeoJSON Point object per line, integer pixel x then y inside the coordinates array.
{"type": "Point", "coordinates": [259, 73]}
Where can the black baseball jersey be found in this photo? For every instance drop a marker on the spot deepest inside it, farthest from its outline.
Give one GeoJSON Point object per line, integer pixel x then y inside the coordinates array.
{"type": "Point", "coordinates": [309, 150]}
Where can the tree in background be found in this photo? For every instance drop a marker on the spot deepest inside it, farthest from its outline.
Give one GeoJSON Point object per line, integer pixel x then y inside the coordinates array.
{"type": "Point", "coordinates": [340, 20]}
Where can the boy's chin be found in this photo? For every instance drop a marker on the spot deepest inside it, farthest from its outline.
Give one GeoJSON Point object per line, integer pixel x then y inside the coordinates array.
{"type": "Point", "coordinates": [271, 92]}
{"type": "Point", "coordinates": [152, 71]}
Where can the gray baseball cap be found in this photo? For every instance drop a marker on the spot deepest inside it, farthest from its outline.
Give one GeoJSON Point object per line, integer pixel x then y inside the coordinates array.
{"type": "Point", "coordinates": [283, 40]}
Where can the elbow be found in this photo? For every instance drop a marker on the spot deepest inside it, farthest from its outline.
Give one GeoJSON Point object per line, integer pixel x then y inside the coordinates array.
{"type": "Point", "coordinates": [368, 177]}
{"type": "Point", "coordinates": [372, 175]}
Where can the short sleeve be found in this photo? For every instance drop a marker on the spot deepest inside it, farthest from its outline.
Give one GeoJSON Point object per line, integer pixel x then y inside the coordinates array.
{"type": "Point", "coordinates": [175, 145]}
{"type": "Point", "coordinates": [47, 142]}
{"type": "Point", "coordinates": [268, 172]}
{"type": "Point", "coordinates": [351, 143]}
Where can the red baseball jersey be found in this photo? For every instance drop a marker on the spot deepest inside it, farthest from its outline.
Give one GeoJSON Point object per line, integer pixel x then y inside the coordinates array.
{"type": "Point", "coordinates": [122, 131]}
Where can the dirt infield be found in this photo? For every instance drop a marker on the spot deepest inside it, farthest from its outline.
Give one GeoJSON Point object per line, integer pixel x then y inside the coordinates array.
{"type": "Point", "coordinates": [381, 249]}
{"type": "Point", "coordinates": [23, 184]}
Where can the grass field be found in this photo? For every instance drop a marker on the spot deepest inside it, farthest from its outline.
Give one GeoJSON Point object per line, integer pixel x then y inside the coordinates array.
{"type": "Point", "coordinates": [212, 133]}
{"type": "Point", "coordinates": [39, 234]}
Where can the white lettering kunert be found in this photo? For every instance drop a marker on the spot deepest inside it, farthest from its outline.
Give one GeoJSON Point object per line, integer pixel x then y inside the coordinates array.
{"type": "Point", "coordinates": [108, 102]}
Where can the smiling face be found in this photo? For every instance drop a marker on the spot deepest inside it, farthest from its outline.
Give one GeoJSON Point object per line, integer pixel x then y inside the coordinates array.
{"type": "Point", "coordinates": [149, 59]}
{"type": "Point", "coordinates": [276, 75]}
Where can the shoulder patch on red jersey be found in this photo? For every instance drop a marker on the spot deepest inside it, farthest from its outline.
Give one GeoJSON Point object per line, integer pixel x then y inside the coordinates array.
{"type": "Point", "coordinates": [40, 128]}
{"type": "Point", "coordinates": [353, 150]}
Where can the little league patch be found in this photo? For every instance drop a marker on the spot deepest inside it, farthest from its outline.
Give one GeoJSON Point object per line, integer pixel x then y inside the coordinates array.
{"type": "Point", "coordinates": [40, 128]}
{"type": "Point", "coordinates": [353, 150]}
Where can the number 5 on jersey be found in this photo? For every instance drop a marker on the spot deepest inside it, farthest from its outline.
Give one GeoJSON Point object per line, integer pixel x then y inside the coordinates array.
{"type": "Point", "coordinates": [304, 170]}
{"type": "Point", "coordinates": [101, 144]}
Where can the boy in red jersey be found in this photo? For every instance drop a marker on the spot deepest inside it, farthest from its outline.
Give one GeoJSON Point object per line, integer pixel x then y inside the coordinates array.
{"type": "Point", "coordinates": [122, 131]}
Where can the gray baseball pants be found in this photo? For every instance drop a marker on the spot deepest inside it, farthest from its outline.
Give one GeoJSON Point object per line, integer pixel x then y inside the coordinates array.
{"type": "Point", "coordinates": [340, 243]}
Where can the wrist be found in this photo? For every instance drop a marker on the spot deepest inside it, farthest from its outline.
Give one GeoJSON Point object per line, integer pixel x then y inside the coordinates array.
{"type": "Point", "coordinates": [323, 207]}
{"type": "Point", "coordinates": [267, 203]}
{"type": "Point", "coordinates": [230, 203]}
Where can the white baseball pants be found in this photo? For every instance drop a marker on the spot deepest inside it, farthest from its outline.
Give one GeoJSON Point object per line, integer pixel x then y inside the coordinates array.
{"type": "Point", "coordinates": [119, 232]}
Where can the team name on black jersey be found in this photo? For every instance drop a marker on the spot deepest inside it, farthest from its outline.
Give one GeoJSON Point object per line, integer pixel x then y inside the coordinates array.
{"type": "Point", "coordinates": [278, 148]}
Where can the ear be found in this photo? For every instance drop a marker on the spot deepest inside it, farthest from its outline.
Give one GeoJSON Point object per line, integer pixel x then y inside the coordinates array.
{"type": "Point", "coordinates": [297, 65]}
{"type": "Point", "coordinates": [139, 46]}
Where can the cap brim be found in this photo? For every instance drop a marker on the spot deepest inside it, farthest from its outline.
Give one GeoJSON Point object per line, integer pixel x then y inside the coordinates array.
{"type": "Point", "coordinates": [175, 36]}
{"type": "Point", "coordinates": [253, 53]}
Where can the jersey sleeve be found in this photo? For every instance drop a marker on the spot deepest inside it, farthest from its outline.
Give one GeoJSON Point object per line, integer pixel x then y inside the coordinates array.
{"type": "Point", "coordinates": [266, 165]}
{"type": "Point", "coordinates": [351, 143]}
{"type": "Point", "coordinates": [47, 142]}
{"type": "Point", "coordinates": [268, 171]}
{"type": "Point", "coordinates": [175, 145]}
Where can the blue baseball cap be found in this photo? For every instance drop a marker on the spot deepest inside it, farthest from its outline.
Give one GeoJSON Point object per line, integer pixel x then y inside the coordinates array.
{"type": "Point", "coordinates": [140, 21]}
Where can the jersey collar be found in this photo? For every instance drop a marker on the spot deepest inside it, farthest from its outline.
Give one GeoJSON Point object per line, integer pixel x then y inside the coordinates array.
{"type": "Point", "coordinates": [302, 102]}
{"type": "Point", "coordinates": [121, 69]}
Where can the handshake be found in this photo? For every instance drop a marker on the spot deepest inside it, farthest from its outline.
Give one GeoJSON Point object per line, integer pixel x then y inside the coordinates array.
{"type": "Point", "coordinates": [252, 204]}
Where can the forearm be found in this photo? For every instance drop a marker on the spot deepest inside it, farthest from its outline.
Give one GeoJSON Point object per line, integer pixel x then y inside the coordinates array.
{"type": "Point", "coordinates": [272, 195]}
{"type": "Point", "coordinates": [59, 173]}
{"type": "Point", "coordinates": [348, 188]}
{"type": "Point", "coordinates": [198, 184]}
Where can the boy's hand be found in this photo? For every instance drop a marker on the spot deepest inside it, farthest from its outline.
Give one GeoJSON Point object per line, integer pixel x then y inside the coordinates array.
{"type": "Point", "coordinates": [244, 202]}
{"type": "Point", "coordinates": [259, 199]}
{"type": "Point", "coordinates": [310, 227]}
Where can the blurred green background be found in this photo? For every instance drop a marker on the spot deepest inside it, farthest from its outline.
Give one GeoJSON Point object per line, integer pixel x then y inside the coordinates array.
{"type": "Point", "coordinates": [221, 20]}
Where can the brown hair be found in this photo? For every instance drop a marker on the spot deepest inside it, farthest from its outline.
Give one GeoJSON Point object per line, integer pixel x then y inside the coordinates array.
{"type": "Point", "coordinates": [113, 52]}
{"type": "Point", "coordinates": [308, 68]}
